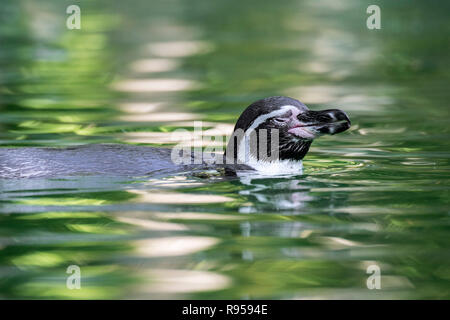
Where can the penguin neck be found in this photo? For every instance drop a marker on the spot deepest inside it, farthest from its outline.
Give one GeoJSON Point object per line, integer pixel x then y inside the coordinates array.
{"type": "Point", "coordinates": [275, 167]}
{"type": "Point", "coordinates": [241, 154]}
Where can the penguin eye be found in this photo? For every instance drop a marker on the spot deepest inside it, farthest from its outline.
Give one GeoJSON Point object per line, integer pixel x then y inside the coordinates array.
{"type": "Point", "coordinates": [280, 120]}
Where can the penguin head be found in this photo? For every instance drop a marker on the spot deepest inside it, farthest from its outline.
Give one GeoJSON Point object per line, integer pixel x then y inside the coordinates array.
{"type": "Point", "coordinates": [280, 128]}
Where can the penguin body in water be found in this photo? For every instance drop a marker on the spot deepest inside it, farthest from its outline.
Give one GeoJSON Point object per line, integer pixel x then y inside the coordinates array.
{"type": "Point", "coordinates": [272, 135]}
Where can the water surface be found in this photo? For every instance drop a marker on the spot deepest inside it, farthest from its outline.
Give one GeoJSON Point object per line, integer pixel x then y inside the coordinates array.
{"type": "Point", "coordinates": [377, 194]}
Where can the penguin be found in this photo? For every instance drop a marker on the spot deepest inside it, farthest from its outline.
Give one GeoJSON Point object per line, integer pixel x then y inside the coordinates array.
{"type": "Point", "coordinates": [271, 136]}
{"type": "Point", "coordinates": [295, 128]}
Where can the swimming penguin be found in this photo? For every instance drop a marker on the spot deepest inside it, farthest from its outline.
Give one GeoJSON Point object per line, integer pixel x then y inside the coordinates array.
{"type": "Point", "coordinates": [272, 135]}
{"type": "Point", "coordinates": [295, 128]}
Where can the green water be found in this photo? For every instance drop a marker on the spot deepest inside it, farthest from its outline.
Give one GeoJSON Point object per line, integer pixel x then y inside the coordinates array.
{"type": "Point", "coordinates": [377, 194]}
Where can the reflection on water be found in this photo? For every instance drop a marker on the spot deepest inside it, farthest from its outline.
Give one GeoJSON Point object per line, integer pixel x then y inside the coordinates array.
{"type": "Point", "coordinates": [377, 194]}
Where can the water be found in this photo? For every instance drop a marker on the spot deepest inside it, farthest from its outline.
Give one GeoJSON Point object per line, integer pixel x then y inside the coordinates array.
{"type": "Point", "coordinates": [377, 194]}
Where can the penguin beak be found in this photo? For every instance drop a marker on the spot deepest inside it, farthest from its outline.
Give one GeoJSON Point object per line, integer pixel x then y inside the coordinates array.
{"type": "Point", "coordinates": [315, 123]}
